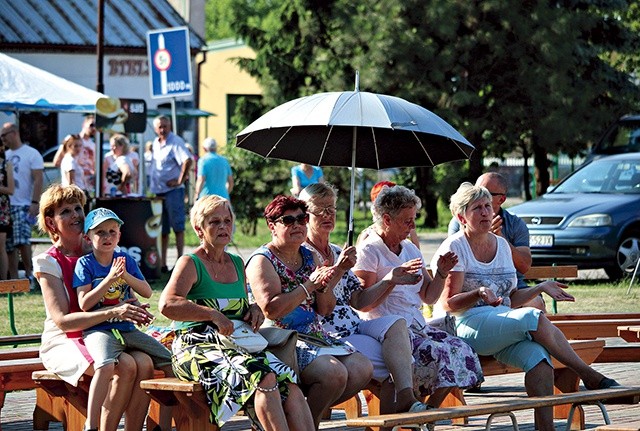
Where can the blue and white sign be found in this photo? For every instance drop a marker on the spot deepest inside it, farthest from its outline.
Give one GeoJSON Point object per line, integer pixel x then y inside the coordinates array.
{"type": "Point", "coordinates": [169, 62]}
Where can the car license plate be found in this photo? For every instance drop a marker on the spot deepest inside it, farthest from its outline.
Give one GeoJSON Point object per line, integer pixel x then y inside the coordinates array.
{"type": "Point", "coordinates": [541, 240]}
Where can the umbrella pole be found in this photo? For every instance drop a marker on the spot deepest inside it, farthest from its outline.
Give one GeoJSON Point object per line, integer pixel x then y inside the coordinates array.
{"type": "Point", "coordinates": [353, 187]}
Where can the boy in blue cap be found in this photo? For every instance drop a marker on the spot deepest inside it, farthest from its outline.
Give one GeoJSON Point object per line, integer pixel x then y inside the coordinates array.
{"type": "Point", "coordinates": [104, 278]}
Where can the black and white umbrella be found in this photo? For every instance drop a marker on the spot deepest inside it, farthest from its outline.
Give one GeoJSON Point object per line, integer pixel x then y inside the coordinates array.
{"type": "Point", "coordinates": [354, 129]}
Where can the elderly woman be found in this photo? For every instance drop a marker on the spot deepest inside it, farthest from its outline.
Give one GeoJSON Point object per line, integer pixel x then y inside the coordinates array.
{"type": "Point", "coordinates": [385, 340]}
{"type": "Point", "coordinates": [442, 361]}
{"type": "Point", "coordinates": [293, 290]}
{"type": "Point", "coordinates": [62, 350]}
{"type": "Point", "coordinates": [481, 290]}
{"type": "Point", "coordinates": [205, 293]}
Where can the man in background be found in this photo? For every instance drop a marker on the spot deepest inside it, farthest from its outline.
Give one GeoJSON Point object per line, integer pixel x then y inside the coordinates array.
{"type": "Point", "coordinates": [214, 172]}
{"type": "Point", "coordinates": [509, 226]}
{"type": "Point", "coordinates": [28, 168]}
{"type": "Point", "coordinates": [170, 165]}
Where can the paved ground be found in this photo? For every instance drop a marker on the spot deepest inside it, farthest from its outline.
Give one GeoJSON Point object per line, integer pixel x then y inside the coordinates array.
{"type": "Point", "coordinates": [18, 408]}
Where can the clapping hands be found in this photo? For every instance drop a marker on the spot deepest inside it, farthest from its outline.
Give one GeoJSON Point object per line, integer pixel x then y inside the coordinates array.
{"type": "Point", "coordinates": [409, 272]}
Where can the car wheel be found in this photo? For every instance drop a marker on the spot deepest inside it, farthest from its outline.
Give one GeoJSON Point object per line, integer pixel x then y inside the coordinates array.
{"type": "Point", "coordinates": [627, 255]}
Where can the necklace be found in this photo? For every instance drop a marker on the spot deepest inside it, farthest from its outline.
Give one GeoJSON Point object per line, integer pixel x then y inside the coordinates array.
{"type": "Point", "coordinates": [326, 254]}
{"type": "Point", "coordinates": [289, 262]}
{"type": "Point", "coordinates": [214, 263]}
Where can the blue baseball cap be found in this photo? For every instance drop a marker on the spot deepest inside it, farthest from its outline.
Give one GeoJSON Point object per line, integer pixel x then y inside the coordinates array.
{"type": "Point", "coordinates": [97, 216]}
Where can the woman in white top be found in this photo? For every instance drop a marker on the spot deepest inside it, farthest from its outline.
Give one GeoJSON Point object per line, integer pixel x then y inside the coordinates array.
{"type": "Point", "coordinates": [119, 170]}
{"type": "Point", "coordinates": [481, 290]}
{"type": "Point", "coordinates": [70, 170]}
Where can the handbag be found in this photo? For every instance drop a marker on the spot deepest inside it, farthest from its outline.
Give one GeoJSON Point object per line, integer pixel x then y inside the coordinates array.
{"type": "Point", "coordinates": [445, 323]}
{"type": "Point", "coordinates": [282, 343]}
{"type": "Point", "coordinates": [244, 338]}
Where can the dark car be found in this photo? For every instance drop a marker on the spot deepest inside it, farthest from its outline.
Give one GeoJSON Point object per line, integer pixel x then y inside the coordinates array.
{"type": "Point", "coordinates": [591, 219]}
{"type": "Point", "coordinates": [623, 136]}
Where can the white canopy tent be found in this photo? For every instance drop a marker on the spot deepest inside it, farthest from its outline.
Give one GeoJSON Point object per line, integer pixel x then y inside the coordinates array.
{"type": "Point", "coordinates": [27, 88]}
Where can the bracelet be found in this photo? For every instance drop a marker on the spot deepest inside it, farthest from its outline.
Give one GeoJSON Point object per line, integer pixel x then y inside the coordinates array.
{"type": "Point", "coordinates": [273, 389]}
{"type": "Point", "coordinates": [306, 291]}
{"type": "Point", "coordinates": [440, 274]}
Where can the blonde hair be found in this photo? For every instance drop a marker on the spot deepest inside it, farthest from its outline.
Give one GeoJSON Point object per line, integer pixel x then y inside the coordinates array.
{"type": "Point", "coordinates": [465, 195]}
{"type": "Point", "coordinates": [69, 141]}
{"type": "Point", "coordinates": [121, 140]}
{"type": "Point", "coordinates": [52, 198]}
{"type": "Point", "coordinates": [204, 207]}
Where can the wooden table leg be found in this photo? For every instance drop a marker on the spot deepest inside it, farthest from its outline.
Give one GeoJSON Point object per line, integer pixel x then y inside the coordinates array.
{"type": "Point", "coordinates": [566, 380]}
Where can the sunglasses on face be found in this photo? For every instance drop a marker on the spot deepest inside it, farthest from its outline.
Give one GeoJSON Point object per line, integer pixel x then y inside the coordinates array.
{"type": "Point", "coordinates": [497, 194]}
{"type": "Point", "coordinates": [288, 220]}
{"type": "Point", "coordinates": [319, 211]}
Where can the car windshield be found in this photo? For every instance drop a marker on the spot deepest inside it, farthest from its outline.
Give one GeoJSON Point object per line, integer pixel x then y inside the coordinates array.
{"type": "Point", "coordinates": [624, 138]}
{"type": "Point", "coordinates": [604, 176]}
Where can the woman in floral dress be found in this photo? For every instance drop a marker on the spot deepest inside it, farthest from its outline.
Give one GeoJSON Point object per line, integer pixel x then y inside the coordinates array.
{"type": "Point", "coordinates": [206, 292]}
{"type": "Point", "coordinates": [293, 290]}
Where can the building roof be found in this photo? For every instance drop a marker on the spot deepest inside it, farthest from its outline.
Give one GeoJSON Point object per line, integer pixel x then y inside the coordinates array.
{"type": "Point", "coordinates": [72, 24]}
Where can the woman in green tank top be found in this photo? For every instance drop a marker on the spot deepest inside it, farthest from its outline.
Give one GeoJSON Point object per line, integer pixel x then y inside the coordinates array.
{"type": "Point", "coordinates": [206, 291]}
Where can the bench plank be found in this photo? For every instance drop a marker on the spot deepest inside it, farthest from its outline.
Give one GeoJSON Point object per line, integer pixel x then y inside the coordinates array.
{"type": "Point", "coordinates": [524, 403]}
{"type": "Point", "coordinates": [19, 353]}
{"type": "Point", "coordinates": [592, 328]}
{"type": "Point", "coordinates": [544, 272]}
{"type": "Point", "coordinates": [629, 333]}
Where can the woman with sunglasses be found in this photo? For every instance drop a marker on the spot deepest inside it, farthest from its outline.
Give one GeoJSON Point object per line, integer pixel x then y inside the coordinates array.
{"type": "Point", "coordinates": [293, 289]}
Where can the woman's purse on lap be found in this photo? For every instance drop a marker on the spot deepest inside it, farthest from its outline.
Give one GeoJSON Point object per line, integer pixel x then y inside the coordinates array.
{"type": "Point", "coordinates": [282, 343]}
{"type": "Point", "coordinates": [243, 337]}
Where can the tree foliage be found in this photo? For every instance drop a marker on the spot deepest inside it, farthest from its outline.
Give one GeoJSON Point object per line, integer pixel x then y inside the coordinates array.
{"type": "Point", "coordinates": [530, 77]}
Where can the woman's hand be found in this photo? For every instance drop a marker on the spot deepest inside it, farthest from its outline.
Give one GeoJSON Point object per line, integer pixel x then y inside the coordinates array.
{"type": "Point", "coordinates": [446, 262]}
{"type": "Point", "coordinates": [225, 326]}
{"type": "Point", "coordinates": [254, 317]}
{"type": "Point", "coordinates": [408, 273]}
{"type": "Point", "coordinates": [556, 290]}
{"type": "Point", "coordinates": [130, 312]}
{"type": "Point", "coordinates": [347, 259]}
{"type": "Point", "coordinates": [489, 297]}
{"type": "Point", "coordinates": [321, 276]}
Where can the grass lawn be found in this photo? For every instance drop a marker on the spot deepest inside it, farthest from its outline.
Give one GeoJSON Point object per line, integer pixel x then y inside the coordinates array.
{"type": "Point", "coordinates": [591, 296]}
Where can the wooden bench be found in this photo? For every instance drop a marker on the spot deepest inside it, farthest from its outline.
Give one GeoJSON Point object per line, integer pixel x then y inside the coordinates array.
{"type": "Point", "coordinates": [59, 401]}
{"type": "Point", "coordinates": [191, 412]}
{"type": "Point", "coordinates": [629, 333]}
{"type": "Point", "coordinates": [11, 287]}
{"type": "Point", "coordinates": [353, 406]}
{"type": "Point", "coordinates": [422, 420]}
{"type": "Point", "coordinates": [15, 375]}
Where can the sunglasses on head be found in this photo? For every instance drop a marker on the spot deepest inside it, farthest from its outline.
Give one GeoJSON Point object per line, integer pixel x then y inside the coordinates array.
{"type": "Point", "coordinates": [288, 220]}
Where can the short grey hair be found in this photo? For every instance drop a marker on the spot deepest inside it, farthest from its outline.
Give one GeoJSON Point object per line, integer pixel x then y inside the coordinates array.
{"type": "Point", "coordinates": [318, 190]}
{"type": "Point", "coordinates": [392, 200]}
{"type": "Point", "coordinates": [465, 195]}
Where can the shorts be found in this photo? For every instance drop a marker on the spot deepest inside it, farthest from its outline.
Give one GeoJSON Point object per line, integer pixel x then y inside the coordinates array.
{"type": "Point", "coordinates": [105, 348]}
{"type": "Point", "coordinates": [503, 332]}
{"type": "Point", "coordinates": [173, 211]}
{"type": "Point", "coordinates": [368, 341]}
{"type": "Point", "coordinates": [21, 227]}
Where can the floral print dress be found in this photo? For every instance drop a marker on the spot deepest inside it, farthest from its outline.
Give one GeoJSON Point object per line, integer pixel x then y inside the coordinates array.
{"type": "Point", "coordinates": [229, 377]}
{"type": "Point", "coordinates": [304, 319]}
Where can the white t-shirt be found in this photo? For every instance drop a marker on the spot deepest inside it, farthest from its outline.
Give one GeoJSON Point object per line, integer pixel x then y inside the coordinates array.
{"type": "Point", "coordinates": [498, 275]}
{"type": "Point", "coordinates": [70, 163]}
{"type": "Point", "coordinates": [404, 300]}
{"type": "Point", "coordinates": [25, 159]}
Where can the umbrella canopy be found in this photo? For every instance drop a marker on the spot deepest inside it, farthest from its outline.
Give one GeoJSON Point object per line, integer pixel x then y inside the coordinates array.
{"type": "Point", "coordinates": [27, 88]}
{"type": "Point", "coordinates": [355, 129]}
{"type": "Point", "coordinates": [319, 130]}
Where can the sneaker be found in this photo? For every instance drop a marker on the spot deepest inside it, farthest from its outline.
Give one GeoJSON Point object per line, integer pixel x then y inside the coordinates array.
{"type": "Point", "coordinates": [418, 407]}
